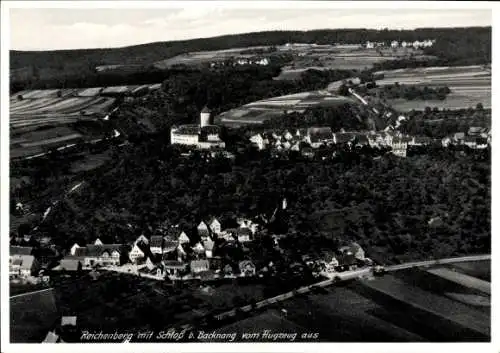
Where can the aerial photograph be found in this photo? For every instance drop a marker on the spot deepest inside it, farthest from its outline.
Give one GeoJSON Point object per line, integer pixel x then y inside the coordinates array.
{"type": "Point", "coordinates": [208, 174]}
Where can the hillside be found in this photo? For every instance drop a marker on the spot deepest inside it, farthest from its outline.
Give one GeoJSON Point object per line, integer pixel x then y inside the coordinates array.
{"type": "Point", "coordinates": [454, 45]}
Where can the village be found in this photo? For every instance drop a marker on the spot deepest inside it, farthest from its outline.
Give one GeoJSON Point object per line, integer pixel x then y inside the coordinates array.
{"type": "Point", "coordinates": [172, 255]}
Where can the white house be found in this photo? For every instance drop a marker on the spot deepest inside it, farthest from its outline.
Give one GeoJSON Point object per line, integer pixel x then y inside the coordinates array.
{"type": "Point", "coordinates": [215, 226]}
{"type": "Point", "coordinates": [370, 45]}
{"type": "Point", "coordinates": [399, 146]}
{"type": "Point", "coordinates": [98, 242]}
{"type": "Point", "coordinates": [258, 140]}
{"type": "Point", "coordinates": [183, 238]}
{"type": "Point", "coordinates": [394, 44]}
{"type": "Point", "coordinates": [287, 135]}
{"type": "Point", "coordinates": [135, 254]}
{"type": "Point", "coordinates": [203, 231]}
{"type": "Point", "coordinates": [404, 44]}
{"type": "Point", "coordinates": [73, 249]}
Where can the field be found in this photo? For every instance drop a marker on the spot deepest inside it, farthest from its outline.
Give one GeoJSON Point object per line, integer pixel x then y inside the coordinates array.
{"type": "Point", "coordinates": [260, 111]}
{"type": "Point", "coordinates": [204, 57]}
{"type": "Point", "coordinates": [32, 316]}
{"type": "Point", "coordinates": [469, 86]}
{"type": "Point", "coordinates": [408, 306]}
{"type": "Point", "coordinates": [43, 119]}
{"type": "Point", "coordinates": [342, 58]}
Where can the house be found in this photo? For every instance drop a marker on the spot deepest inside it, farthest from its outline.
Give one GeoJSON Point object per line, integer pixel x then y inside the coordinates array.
{"type": "Point", "coordinates": [295, 147]}
{"type": "Point", "coordinates": [98, 242]}
{"type": "Point", "coordinates": [141, 239]}
{"type": "Point", "coordinates": [20, 250]}
{"type": "Point", "coordinates": [203, 230]}
{"type": "Point", "coordinates": [70, 264]}
{"type": "Point", "coordinates": [102, 255]}
{"type": "Point", "coordinates": [51, 338]}
{"type": "Point", "coordinates": [317, 136]}
{"type": "Point", "coordinates": [244, 235]}
{"type": "Point", "coordinates": [342, 138]}
{"type": "Point", "coordinates": [399, 146]}
{"type": "Point", "coordinates": [481, 142]}
{"type": "Point", "coordinates": [73, 249]}
{"type": "Point", "coordinates": [404, 44]}
{"type": "Point", "coordinates": [470, 141]}
{"type": "Point", "coordinates": [198, 266]}
{"type": "Point", "coordinates": [228, 235]}
{"type": "Point", "coordinates": [307, 152]}
{"type": "Point", "coordinates": [347, 261]}
{"type": "Point", "coordinates": [199, 249]}
{"type": "Point", "coordinates": [446, 141]}
{"type": "Point", "coordinates": [174, 268]}
{"type": "Point", "coordinates": [286, 145]}
{"type": "Point", "coordinates": [362, 140]}
{"type": "Point", "coordinates": [169, 246]}
{"type": "Point", "coordinates": [155, 244]}
{"type": "Point", "coordinates": [68, 321]}
{"type": "Point", "coordinates": [476, 131]}
{"type": "Point", "coordinates": [209, 247]}
{"type": "Point", "coordinates": [181, 253]}
{"type": "Point", "coordinates": [369, 45]}
{"type": "Point", "coordinates": [23, 266]}
{"type": "Point", "coordinates": [458, 137]}
{"type": "Point", "coordinates": [358, 251]}
{"type": "Point", "coordinates": [247, 268]}
{"type": "Point", "coordinates": [287, 135]}
{"type": "Point", "coordinates": [136, 254]}
{"type": "Point", "coordinates": [258, 140]}
{"type": "Point", "coordinates": [394, 44]}
{"type": "Point", "coordinates": [214, 226]}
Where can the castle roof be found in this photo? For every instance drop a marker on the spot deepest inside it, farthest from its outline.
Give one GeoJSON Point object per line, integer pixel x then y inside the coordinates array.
{"type": "Point", "coordinates": [206, 110]}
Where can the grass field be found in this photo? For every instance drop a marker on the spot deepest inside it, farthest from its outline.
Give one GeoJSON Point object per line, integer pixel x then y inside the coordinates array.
{"type": "Point", "coordinates": [469, 86]}
{"type": "Point", "coordinates": [260, 111]}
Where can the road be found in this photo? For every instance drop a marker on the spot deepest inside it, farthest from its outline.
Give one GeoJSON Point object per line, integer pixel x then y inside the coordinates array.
{"type": "Point", "coordinates": [347, 275]}
{"type": "Point", "coordinates": [438, 262]}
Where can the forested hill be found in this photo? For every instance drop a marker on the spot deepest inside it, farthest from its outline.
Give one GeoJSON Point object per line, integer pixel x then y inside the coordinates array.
{"type": "Point", "coordinates": [470, 45]}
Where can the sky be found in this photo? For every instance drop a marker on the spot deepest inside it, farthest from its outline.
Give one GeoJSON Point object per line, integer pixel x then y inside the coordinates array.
{"type": "Point", "coordinates": [78, 28]}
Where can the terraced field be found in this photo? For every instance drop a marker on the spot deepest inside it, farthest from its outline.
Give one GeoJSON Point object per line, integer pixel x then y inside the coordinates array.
{"type": "Point", "coordinates": [52, 111]}
{"type": "Point", "coordinates": [261, 111]}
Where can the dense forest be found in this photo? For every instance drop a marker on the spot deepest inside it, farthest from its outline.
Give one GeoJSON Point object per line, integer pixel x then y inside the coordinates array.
{"type": "Point", "coordinates": [383, 204]}
{"type": "Point", "coordinates": [67, 68]}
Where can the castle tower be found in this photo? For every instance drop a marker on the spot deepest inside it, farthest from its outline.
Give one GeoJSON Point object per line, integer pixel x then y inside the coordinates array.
{"type": "Point", "coordinates": [205, 117]}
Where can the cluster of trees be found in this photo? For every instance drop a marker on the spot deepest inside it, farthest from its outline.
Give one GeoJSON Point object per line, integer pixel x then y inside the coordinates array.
{"type": "Point", "coordinates": [411, 92]}
{"type": "Point", "coordinates": [383, 204]}
{"type": "Point", "coordinates": [440, 123]}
